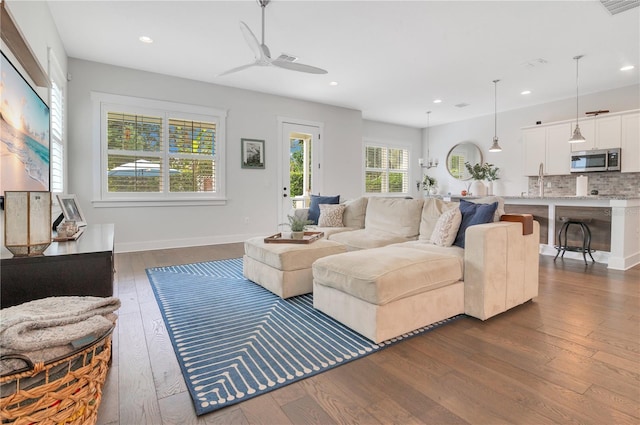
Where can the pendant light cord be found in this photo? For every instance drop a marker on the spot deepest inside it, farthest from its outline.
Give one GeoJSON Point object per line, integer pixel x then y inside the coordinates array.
{"type": "Point", "coordinates": [495, 128]}
{"type": "Point", "coordinates": [428, 141]}
{"type": "Point", "coordinates": [577, 58]}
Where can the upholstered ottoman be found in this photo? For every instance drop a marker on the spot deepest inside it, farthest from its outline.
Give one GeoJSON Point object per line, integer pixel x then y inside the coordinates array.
{"type": "Point", "coordinates": [285, 268]}
{"type": "Point", "coordinates": [385, 292]}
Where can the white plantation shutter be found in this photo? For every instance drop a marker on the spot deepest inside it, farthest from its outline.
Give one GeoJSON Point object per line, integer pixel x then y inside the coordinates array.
{"type": "Point", "coordinates": [57, 107]}
{"type": "Point", "coordinates": [386, 169]}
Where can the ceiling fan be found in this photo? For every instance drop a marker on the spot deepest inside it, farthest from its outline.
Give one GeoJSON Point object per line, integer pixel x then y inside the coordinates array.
{"type": "Point", "coordinates": [263, 55]}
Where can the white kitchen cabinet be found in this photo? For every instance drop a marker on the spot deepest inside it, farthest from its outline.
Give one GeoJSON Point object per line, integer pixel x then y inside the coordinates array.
{"type": "Point", "coordinates": [548, 145]}
{"type": "Point", "coordinates": [630, 143]}
{"type": "Point", "coordinates": [558, 150]}
{"type": "Point", "coordinates": [533, 141]}
{"type": "Point", "coordinates": [601, 132]}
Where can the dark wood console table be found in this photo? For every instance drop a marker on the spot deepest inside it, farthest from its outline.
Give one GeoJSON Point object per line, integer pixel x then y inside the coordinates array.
{"type": "Point", "coordinates": [81, 267]}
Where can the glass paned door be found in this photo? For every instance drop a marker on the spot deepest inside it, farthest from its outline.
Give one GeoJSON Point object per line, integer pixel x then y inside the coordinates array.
{"type": "Point", "coordinates": [300, 166]}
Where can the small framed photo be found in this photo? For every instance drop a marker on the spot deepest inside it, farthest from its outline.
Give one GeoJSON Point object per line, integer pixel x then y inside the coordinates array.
{"type": "Point", "coordinates": [252, 153]}
{"type": "Point", "coordinates": [71, 209]}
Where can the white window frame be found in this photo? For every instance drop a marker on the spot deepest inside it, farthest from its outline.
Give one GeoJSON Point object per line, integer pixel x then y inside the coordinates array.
{"type": "Point", "coordinates": [104, 102]}
{"type": "Point", "coordinates": [386, 145]}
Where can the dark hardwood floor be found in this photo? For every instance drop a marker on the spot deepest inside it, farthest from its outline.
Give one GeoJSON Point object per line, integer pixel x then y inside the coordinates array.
{"type": "Point", "coordinates": [569, 356]}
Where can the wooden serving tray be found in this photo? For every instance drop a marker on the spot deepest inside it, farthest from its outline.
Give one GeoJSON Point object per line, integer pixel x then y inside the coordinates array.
{"type": "Point", "coordinates": [307, 238]}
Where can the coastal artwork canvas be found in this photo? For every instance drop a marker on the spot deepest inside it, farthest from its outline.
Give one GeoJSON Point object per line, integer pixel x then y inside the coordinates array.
{"type": "Point", "coordinates": [24, 134]}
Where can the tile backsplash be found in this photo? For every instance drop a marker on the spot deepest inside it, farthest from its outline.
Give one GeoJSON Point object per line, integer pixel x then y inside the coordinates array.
{"type": "Point", "coordinates": [606, 183]}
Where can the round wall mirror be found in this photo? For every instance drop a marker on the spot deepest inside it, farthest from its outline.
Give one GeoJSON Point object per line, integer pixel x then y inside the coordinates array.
{"type": "Point", "coordinates": [458, 155]}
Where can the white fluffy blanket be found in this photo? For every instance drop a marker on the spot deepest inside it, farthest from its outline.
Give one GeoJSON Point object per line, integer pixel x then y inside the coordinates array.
{"type": "Point", "coordinates": [54, 321]}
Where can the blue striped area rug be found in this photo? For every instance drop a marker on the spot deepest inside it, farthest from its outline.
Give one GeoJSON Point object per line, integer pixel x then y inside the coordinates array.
{"type": "Point", "coordinates": [235, 340]}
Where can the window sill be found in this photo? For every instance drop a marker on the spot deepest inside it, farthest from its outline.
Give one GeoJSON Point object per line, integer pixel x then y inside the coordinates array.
{"type": "Point", "coordinates": [129, 203]}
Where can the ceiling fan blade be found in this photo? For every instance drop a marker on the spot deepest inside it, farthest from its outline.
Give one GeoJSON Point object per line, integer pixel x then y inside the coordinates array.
{"type": "Point", "coordinates": [295, 66]}
{"type": "Point", "coordinates": [252, 41]}
{"type": "Point", "coordinates": [238, 68]}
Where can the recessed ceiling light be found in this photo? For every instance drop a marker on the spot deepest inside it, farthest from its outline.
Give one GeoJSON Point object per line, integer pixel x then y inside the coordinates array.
{"type": "Point", "coordinates": [627, 68]}
{"type": "Point", "coordinates": [145, 39]}
{"type": "Point", "coordinates": [437, 101]}
{"type": "Point", "coordinates": [333, 83]}
{"type": "Point", "coordinates": [526, 92]}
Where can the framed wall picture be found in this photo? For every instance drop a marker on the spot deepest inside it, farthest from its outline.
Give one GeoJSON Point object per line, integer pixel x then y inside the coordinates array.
{"type": "Point", "coordinates": [252, 153]}
{"type": "Point", "coordinates": [71, 209]}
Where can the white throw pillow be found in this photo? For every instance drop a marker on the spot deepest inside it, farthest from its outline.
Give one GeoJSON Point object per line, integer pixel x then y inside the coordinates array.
{"type": "Point", "coordinates": [354, 212]}
{"type": "Point", "coordinates": [331, 215]}
{"type": "Point", "coordinates": [431, 212]}
{"type": "Point", "coordinates": [446, 229]}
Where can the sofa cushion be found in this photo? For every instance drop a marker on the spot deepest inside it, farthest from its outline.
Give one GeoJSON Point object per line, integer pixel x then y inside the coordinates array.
{"type": "Point", "coordinates": [454, 251]}
{"type": "Point", "coordinates": [380, 276]}
{"type": "Point", "coordinates": [366, 239]}
{"type": "Point", "coordinates": [431, 212]}
{"type": "Point", "coordinates": [446, 228]}
{"type": "Point", "coordinates": [473, 214]}
{"type": "Point", "coordinates": [354, 212]}
{"type": "Point", "coordinates": [314, 209]}
{"type": "Point", "coordinates": [396, 216]}
{"type": "Point", "coordinates": [331, 215]}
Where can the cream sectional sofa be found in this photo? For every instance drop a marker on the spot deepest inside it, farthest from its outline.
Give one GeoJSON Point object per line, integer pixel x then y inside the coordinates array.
{"type": "Point", "coordinates": [394, 280]}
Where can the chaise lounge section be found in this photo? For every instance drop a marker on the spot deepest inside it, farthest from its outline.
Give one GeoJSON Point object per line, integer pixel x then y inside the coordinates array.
{"type": "Point", "coordinates": [387, 291]}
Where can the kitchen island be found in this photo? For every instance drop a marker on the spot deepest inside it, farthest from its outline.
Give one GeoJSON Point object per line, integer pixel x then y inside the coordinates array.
{"type": "Point", "coordinates": [620, 214]}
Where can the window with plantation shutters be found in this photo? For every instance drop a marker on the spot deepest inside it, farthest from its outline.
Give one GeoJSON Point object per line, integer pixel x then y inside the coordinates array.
{"type": "Point", "coordinates": [57, 108]}
{"type": "Point", "coordinates": [57, 139]}
{"type": "Point", "coordinates": [386, 169]}
{"type": "Point", "coordinates": [160, 151]}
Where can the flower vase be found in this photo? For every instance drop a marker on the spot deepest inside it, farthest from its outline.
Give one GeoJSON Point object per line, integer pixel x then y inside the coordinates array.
{"type": "Point", "coordinates": [478, 188]}
{"type": "Point", "coordinates": [490, 188]}
{"type": "Point", "coordinates": [433, 191]}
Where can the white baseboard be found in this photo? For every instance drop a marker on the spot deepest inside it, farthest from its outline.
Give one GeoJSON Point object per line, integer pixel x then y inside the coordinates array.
{"type": "Point", "coordinates": [622, 263]}
{"type": "Point", "coordinates": [181, 243]}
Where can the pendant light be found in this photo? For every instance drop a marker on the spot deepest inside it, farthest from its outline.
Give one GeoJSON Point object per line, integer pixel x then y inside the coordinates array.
{"type": "Point", "coordinates": [432, 162]}
{"type": "Point", "coordinates": [495, 147]}
{"type": "Point", "coordinates": [577, 136]}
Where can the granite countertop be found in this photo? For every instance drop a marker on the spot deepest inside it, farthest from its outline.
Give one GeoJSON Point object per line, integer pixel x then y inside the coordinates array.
{"type": "Point", "coordinates": [553, 197]}
{"type": "Point", "coordinates": [588, 197]}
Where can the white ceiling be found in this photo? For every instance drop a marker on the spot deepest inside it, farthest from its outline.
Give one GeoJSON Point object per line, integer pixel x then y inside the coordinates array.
{"type": "Point", "coordinates": [390, 58]}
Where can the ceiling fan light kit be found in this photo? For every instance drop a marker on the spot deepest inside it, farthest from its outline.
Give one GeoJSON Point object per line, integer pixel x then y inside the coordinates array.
{"type": "Point", "coordinates": [263, 54]}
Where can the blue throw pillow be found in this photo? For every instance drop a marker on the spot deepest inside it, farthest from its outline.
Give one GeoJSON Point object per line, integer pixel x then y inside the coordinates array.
{"type": "Point", "coordinates": [473, 214]}
{"type": "Point", "coordinates": [314, 209]}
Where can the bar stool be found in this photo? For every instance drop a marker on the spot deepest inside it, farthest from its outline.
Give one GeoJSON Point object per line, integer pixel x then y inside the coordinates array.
{"type": "Point", "coordinates": [586, 238]}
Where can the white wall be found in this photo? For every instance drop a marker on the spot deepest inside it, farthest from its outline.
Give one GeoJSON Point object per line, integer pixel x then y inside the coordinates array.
{"type": "Point", "coordinates": [253, 194]}
{"type": "Point", "coordinates": [480, 131]}
{"type": "Point", "coordinates": [36, 24]}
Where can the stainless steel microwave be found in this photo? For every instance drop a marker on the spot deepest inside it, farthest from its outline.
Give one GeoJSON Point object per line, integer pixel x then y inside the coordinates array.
{"type": "Point", "coordinates": [595, 160]}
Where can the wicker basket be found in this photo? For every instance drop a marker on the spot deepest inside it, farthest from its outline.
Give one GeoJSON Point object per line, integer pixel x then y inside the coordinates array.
{"type": "Point", "coordinates": [66, 390]}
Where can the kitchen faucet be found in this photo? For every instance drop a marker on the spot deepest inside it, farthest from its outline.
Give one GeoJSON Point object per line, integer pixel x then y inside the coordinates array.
{"type": "Point", "coordinates": [541, 180]}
